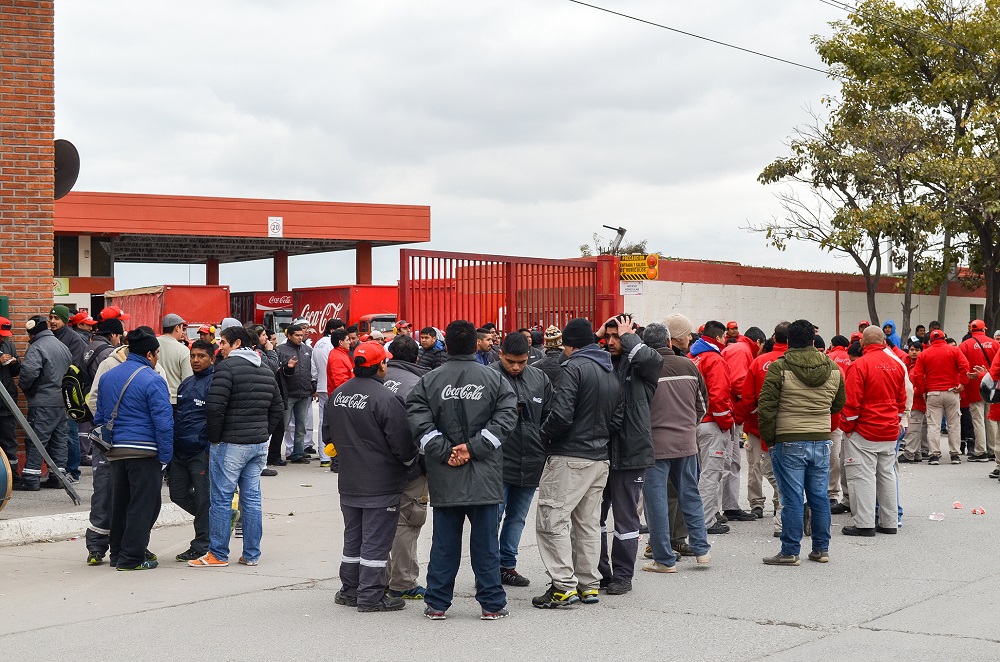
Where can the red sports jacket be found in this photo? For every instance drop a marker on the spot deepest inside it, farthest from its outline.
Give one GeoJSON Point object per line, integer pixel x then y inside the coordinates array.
{"type": "Point", "coordinates": [876, 396]}
{"type": "Point", "coordinates": [940, 367]}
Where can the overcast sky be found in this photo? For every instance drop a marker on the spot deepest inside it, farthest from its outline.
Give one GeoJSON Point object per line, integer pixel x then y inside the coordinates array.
{"type": "Point", "coordinates": [526, 125]}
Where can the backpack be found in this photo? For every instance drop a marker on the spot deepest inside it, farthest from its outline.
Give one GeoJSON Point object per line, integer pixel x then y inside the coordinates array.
{"type": "Point", "coordinates": [74, 393]}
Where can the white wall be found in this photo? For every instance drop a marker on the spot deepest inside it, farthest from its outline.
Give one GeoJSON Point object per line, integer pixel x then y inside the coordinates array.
{"type": "Point", "coordinates": [766, 306]}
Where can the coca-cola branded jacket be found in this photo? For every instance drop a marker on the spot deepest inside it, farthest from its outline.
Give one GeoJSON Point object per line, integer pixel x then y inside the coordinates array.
{"type": "Point", "coordinates": [462, 402]}
{"type": "Point", "coordinates": [374, 444]}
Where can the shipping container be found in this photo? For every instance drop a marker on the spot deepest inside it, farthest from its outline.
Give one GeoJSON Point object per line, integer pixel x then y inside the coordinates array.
{"type": "Point", "coordinates": [273, 310]}
{"type": "Point", "coordinates": [197, 304]}
{"type": "Point", "coordinates": [373, 306]}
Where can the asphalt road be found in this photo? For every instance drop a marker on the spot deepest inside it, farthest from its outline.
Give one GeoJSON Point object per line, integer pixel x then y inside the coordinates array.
{"type": "Point", "coordinates": [929, 593]}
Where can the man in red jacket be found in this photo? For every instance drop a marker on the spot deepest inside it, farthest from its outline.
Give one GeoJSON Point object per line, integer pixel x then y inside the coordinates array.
{"type": "Point", "coordinates": [738, 355]}
{"type": "Point", "coordinates": [980, 351]}
{"type": "Point", "coordinates": [758, 459]}
{"type": "Point", "coordinates": [715, 432]}
{"type": "Point", "coordinates": [339, 364]}
{"type": "Point", "coordinates": [837, 354]}
{"type": "Point", "coordinates": [942, 371]}
{"type": "Point", "coordinates": [872, 420]}
{"type": "Point", "coordinates": [915, 443]}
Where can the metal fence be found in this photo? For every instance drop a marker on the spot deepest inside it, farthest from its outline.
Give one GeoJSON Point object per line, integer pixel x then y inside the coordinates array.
{"type": "Point", "coordinates": [514, 292]}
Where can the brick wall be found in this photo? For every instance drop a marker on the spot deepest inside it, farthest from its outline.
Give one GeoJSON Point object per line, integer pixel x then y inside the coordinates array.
{"type": "Point", "coordinates": [27, 117]}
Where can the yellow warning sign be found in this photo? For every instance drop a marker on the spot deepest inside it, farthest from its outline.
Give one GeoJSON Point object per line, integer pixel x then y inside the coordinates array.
{"type": "Point", "coordinates": [639, 267]}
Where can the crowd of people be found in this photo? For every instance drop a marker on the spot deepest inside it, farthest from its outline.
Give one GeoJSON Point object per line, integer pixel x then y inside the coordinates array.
{"type": "Point", "coordinates": [653, 423]}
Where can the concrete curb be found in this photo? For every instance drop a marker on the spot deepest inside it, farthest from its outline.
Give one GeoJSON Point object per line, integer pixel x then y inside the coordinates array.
{"type": "Point", "coordinates": [27, 530]}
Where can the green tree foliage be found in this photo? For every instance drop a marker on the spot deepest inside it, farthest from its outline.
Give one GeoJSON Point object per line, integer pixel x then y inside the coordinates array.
{"type": "Point", "coordinates": [939, 62]}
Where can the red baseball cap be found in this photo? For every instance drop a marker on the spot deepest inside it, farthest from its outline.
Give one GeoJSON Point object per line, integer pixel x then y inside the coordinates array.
{"type": "Point", "coordinates": [977, 325]}
{"type": "Point", "coordinates": [403, 324]}
{"type": "Point", "coordinates": [79, 318]}
{"type": "Point", "coordinates": [855, 336]}
{"type": "Point", "coordinates": [865, 322]}
{"type": "Point", "coordinates": [5, 327]}
{"type": "Point", "coordinates": [732, 325]}
{"type": "Point", "coordinates": [372, 354]}
{"type": "Point", "coordinates": [206, 328]}
{"type": "Point", "coordinates": [114, 312]}
{"type": "Point", "coordinates": [937, 334]}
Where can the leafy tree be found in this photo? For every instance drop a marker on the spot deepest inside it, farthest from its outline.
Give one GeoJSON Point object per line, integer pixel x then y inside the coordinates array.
{"type": "Point", "coordinates": [865, 204]}
{"type": "Point", "coordinates": [938, 60]}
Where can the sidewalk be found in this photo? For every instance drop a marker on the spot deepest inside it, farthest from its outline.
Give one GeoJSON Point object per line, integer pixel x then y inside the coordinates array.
{"type": "Point", "coordinates": [49, 514]}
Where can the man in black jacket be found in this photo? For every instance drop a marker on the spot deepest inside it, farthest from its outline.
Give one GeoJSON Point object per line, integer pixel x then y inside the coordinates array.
{"type": "Point", "coordinates": [551, 362]}
{"type": "Point", "coordinates": [460, 414]}
{"type": "Point", "coordinates": [402, 375]}
{"type": "Point", "coordinates": [67, 335]}
{"type": "Point", "coordinates": [638, 368]}
{"type": "Point", "coordinates": [299, 380]}
{"type": "Point", "coordinates": [375, 450]}
{"type": "Point", "coordinates": [523, 452]}
{"type": "Point", "coordinates": [576, 434]}
{"type": "Point", "coordinates": [10, 366]}
{"type": "Point", "coordinates": [243, 408]}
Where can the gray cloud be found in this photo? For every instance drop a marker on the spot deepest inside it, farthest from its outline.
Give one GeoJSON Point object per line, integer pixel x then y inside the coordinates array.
{"type": "Point", "coordinates": [525, 124]}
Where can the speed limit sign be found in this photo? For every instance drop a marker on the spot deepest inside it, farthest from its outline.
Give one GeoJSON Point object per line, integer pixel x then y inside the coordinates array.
{"type": "Point", "coordinates": [275, 226]}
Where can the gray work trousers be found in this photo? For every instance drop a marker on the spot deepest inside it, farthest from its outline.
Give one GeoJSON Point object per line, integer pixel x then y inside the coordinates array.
{"type": "Point", "coordinates": [713, 456]}
{"type": "Point", "coordinates": [870, 468]}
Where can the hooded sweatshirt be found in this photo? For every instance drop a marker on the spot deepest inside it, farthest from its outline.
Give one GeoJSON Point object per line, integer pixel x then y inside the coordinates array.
{"type": "Point", "coordinates": [707, 356]}
{"type": "Point", "coordinates": [893, 336]}
{"type": "Point", "coordinates": [801, 392]}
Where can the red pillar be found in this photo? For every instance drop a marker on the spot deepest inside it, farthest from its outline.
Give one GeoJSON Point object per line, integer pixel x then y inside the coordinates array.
{"type": "Point", "coordinates": [280, 271]}
{"type": "Point", "coordinates": [212, 271]}
{"type": "Point", "coordinates": [363, 263]}
{"type": "Point", "coordinates": [608, 293]}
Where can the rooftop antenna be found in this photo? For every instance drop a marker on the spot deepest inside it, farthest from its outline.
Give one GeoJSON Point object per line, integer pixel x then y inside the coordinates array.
{"type": "Point", "coordinates": [618, 240]}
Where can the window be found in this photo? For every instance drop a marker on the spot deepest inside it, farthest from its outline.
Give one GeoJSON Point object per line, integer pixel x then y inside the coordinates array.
{"type": "Point", "coordinates": [101, 261]}
{"type": "Point", "coordinates": [67, 256]}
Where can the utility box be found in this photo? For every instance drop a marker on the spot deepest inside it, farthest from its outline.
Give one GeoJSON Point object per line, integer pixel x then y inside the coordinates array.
{"type": "Point", "coordinates": [4, 306]}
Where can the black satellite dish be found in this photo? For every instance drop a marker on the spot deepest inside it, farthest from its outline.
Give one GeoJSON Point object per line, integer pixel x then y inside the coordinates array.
{"type": "Point", "coordinates": [67, 167]}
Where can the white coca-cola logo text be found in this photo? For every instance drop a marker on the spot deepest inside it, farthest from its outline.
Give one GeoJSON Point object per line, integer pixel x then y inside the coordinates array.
{"type": "Point", "coordinates": [317, 319]}
{"type": "Point", "coordinates": [393, 385]}
{"type": "Point", "coordinates": [355, 401]}
{"type": "Point", "coordinates": [285, 300]}
{"type": "Point", "coordinates": [467, 392]}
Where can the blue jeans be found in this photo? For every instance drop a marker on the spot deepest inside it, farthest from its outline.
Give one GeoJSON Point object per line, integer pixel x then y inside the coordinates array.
{"type": "Point", "coordinates": [515, 507]}
{"type": "Point", "coordinates": [73, 448]}
{"type": "Point", "coordinates": [803, 467]}
{"type": "Point", "coordinates": [229, 466]}
{"type": "Point", "coordinates": [446, 556]}
{"type": "Point", "coordinates": [683, 474]}
{"type": "Point", "coordinates": [299, 408]}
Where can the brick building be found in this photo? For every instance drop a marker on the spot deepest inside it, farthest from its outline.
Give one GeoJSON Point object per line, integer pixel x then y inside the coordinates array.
{"type": "Point", "coordinates": [27, 120]}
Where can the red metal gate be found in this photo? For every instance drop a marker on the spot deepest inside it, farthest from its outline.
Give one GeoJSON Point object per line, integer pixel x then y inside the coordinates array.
{"type": "Point", "coordinates": [436, 287]}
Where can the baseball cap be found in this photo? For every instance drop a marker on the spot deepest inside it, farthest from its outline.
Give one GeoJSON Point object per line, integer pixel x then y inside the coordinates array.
{"type": "Point", "coordinates": [79, 318]}
{"type": "Point", "coordinates": [206, 328]}
{"type": "Point", "coordinates": [865, 322]}
{"type": "Point", "coordinates": [937, 334]}
{"type": "Point", "coordinates": [403, 324]}
{"type": "Point", "coordinates": [372, 354]}
{"type": "Point", "coordinates": [173, 319]}
{"type": "Point", "coordinates": [114, 312]}
{"type": "Point", "coordinates": [977, 325]}
{"type": "Point", "coordinates": [5, 327]}
{"type": "Point", "coordinates": [732, 325]}
{"type": "Point", "coordinates": [855, 336]}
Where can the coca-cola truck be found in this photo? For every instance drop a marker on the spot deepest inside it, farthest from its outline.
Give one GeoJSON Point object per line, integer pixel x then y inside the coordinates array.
{"type": "Point", "coordinates": [273, 310]}
{"type": "Point", "coordinates": [371, 307]}
{"type": "Point", "coordinates": [197, 304]}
